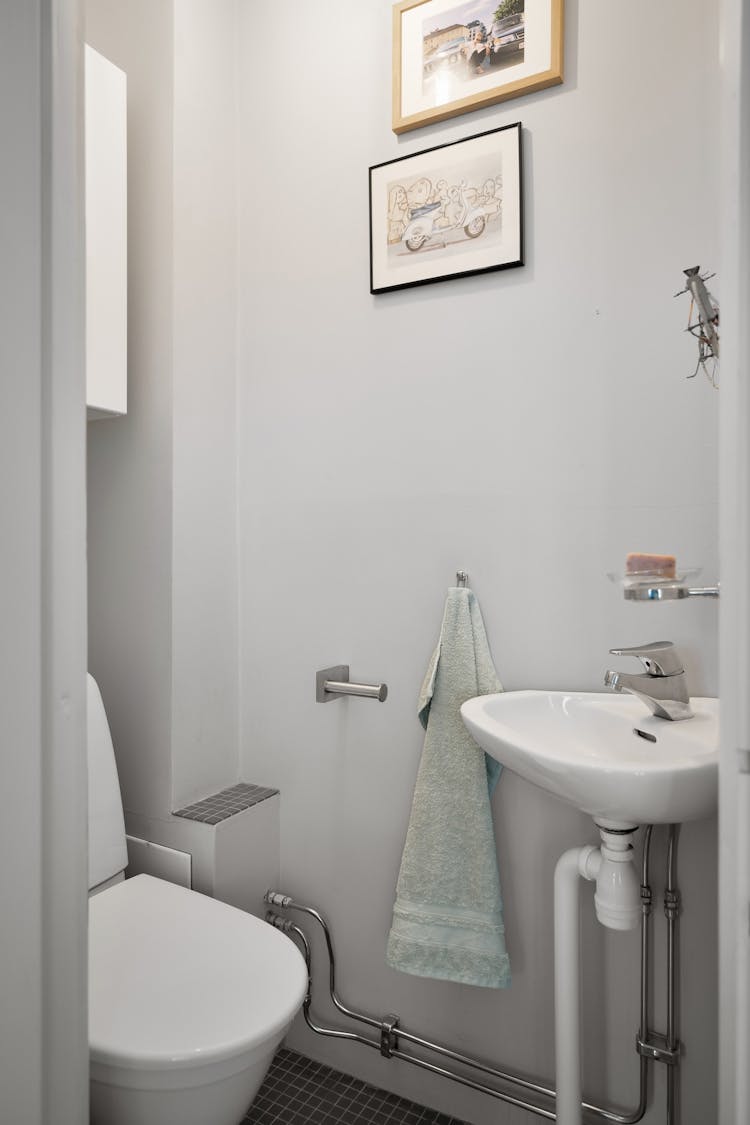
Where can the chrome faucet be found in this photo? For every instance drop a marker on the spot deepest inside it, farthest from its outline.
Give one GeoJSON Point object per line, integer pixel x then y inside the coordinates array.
{"type": "Point", "coordinates": [663, 687]}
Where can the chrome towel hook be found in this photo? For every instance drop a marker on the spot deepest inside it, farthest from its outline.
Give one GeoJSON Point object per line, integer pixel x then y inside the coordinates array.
{"type": "Point", "coordinates": [462, 578]}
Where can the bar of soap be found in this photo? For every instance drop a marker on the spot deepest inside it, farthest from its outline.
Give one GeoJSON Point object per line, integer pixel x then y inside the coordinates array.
{"type": "Point", "coordinates": [661, 565]}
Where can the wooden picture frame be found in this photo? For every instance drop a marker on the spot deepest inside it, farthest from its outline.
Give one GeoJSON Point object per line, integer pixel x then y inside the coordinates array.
{"type": "Point", "coordinates": [446, 63]}
{"type": "Point", "coordinates": [451, 211]}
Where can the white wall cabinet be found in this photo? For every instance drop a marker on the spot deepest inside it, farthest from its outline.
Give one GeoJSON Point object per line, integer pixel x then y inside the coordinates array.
{"type": "Point", "coordinates": [106, 238]}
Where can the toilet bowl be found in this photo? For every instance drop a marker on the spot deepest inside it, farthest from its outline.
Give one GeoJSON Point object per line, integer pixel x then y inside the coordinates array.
{"type": "Point", "coordinates": [188, 997]}
{"type": "Point", "coordinates": [188, 1000]}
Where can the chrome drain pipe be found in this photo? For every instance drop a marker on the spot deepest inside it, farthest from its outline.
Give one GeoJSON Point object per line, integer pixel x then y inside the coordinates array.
{"type": "Point", "coordinates": [392, 1032]}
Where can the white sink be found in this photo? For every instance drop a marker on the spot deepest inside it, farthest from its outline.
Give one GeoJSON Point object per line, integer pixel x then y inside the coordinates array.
{"type": "Point", "coordinates": [603, 753]}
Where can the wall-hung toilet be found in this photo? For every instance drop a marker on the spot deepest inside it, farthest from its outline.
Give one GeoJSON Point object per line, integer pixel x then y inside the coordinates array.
{"type": "Point", "coordinates": [188, 997]}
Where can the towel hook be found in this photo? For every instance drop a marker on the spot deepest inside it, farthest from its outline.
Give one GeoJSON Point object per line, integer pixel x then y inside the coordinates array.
{"type": "Point", "coordinates": [462, 578]}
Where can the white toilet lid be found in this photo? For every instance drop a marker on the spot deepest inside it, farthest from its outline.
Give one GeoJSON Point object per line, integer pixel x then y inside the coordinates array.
{"type": "Point", "coordinates": [176, 977]}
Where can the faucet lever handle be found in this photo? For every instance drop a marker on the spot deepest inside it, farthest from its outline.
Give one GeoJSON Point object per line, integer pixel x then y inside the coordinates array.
{"type": "Point", "coordinates": [659, 658]}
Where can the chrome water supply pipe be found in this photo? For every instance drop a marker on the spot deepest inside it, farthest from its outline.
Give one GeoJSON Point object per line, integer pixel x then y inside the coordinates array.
{"type": "Point", "coordinates": [671, 910]}
{"type": "Point", "coordinates": [390, 1032]}
{"type": "Point", "coordinates": [646, 901]}
{"type": "Point", "coordinates": [392, 1035]}
{"type": "Point", "coordinates": [650, 1046]}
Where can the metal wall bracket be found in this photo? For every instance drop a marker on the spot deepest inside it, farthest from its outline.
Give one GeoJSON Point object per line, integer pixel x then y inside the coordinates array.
{"type": "Point", "coordinates": [671, 904]}
{"type": "Point", "coordinates": [656, 1048]}
{"type": "Point", "coordinates": [668, 591]}
{"type": "Point", "coordinates": [338, 672]}
{"type": "Point", "coordinates": [388, 1037]}
{"type": "Point", "coordinates": [333, 683]}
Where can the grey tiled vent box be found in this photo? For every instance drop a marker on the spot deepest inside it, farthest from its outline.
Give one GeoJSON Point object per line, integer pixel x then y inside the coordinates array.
{"type": "Point", "coordinates": [220, 806]}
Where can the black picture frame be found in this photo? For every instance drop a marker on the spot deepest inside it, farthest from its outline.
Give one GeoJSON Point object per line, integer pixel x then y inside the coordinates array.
{"type": "Point", "coordinates": [453, 210]}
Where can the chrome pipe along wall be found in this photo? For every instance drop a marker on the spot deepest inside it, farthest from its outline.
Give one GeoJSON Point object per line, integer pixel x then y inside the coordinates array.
{"type": "Point", "coordinates": [392, 1034]}
{"type": "Point", "coordinates": [671, 910]}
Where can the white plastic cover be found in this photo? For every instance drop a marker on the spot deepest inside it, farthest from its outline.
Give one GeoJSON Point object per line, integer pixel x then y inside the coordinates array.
{"type": "Point", "coordinates": [107, 849]}
{"type": "Point", "coordinates": [180, 980]}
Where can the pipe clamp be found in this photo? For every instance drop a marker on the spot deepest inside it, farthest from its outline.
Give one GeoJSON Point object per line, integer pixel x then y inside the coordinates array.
{"type": "Point", "coordinates": [656, 1048]}
{"type": "Point", "coordinates": [388, 1037]}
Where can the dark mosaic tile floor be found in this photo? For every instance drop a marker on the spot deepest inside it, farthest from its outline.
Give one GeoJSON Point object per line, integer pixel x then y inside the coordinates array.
{"type": "Point", "coordinates": [298, 1091]}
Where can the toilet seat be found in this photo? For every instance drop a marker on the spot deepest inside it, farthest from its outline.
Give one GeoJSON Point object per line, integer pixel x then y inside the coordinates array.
{"type": "Point", "coordinates": [179, 982]}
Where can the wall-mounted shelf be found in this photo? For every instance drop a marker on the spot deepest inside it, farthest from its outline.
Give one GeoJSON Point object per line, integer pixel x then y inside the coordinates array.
{"type": "Point", "coordinates": [106, 238]}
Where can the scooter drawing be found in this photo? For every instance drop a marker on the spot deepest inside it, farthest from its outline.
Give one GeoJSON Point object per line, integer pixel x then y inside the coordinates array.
{"type": "Point", "coordinates": [423, 221]}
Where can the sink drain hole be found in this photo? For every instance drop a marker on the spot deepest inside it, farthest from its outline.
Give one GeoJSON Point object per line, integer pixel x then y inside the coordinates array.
{"type": "Point", "coordinates": [644, 734]}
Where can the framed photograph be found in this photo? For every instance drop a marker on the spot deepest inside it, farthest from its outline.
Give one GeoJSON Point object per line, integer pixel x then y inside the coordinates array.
{"type": "Point", "coordinates": [452, 56]}
{"type": "Point", "coordinates": [447, 212]}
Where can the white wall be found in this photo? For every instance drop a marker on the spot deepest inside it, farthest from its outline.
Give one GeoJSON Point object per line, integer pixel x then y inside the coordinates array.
{"type": "Point", "coordinates": [43, 1040]}
{"type": "Point", "coordinates": [20, 410]}
{"type": "Point", "coordinates": [130, 478]}
{"type": "Point", "coordinates": [162, 501]}
{"type": "Point", "coordinates": [531, 426]}
{"type": "Point", "coordinates": [204, 547]}
{"type": "Point", "coordinates": [734, 792]}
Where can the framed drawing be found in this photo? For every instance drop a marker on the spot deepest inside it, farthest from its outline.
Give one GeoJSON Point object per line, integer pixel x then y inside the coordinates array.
{"type": "Point", "coordinates": [447, 212]}
{"type": "Point", "coordinates": [452, 56]}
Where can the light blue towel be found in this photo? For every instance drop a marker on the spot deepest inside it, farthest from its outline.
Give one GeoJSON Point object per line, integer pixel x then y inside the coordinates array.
{"type": "Point", "coordinates": [448, 915]}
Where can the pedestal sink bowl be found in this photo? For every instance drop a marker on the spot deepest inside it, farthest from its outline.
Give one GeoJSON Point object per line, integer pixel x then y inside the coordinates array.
{"type": "Point", "coordinates": [603, 753]}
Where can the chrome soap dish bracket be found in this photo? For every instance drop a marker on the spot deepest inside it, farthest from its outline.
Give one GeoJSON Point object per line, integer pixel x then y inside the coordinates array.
{"type": "Point", "coordinates": [656, 588]}
{"type": "Point", "coordinates": [668, 592]}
